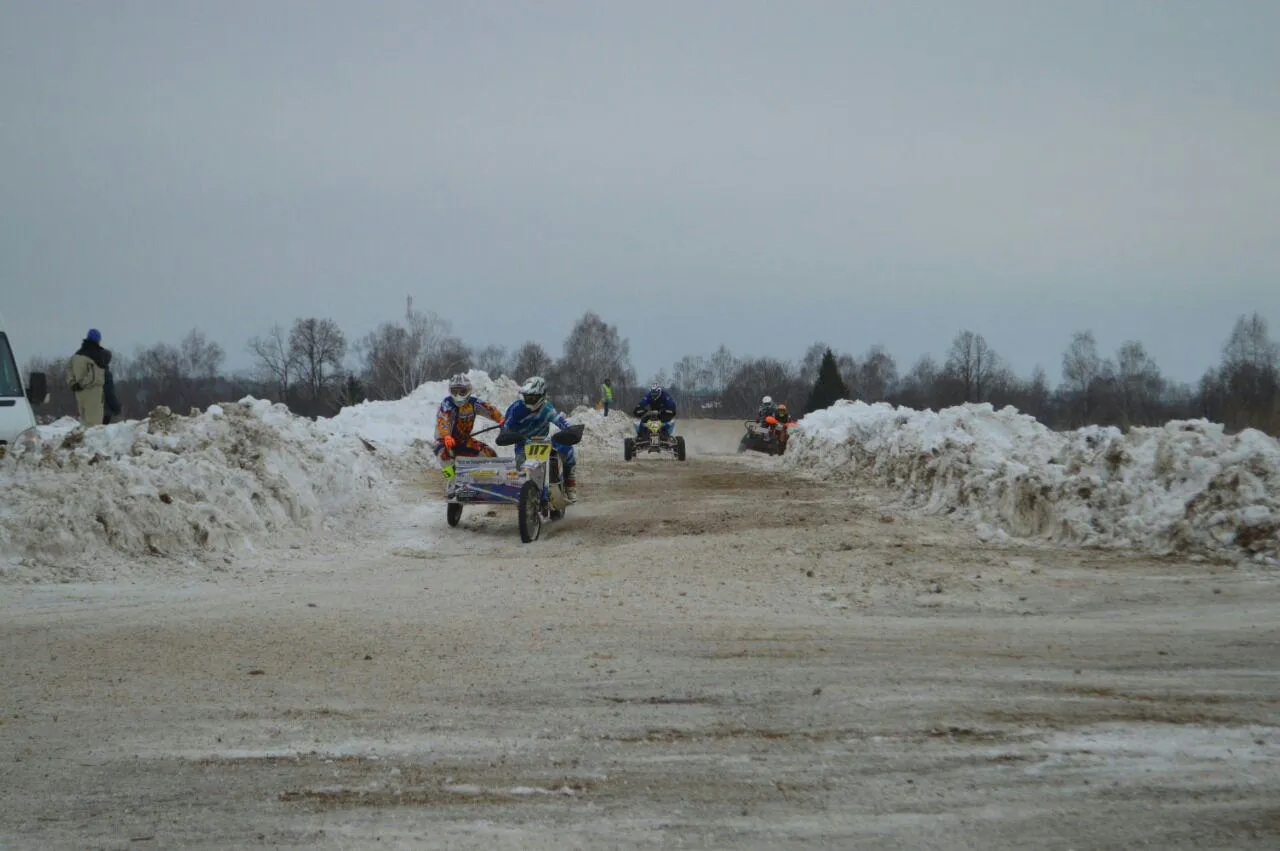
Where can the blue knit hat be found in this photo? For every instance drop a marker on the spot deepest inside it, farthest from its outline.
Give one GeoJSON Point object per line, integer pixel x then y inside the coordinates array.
{"type": "Point", "coordinates": [94, 335]}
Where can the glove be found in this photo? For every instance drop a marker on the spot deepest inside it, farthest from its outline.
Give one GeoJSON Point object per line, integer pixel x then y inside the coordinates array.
{"type": "Point", "coordinates": [76, 387]}
{"type": "Point", "coordinates": [449, 441]}
{"type": "Point", "coordinates": [770, 420]}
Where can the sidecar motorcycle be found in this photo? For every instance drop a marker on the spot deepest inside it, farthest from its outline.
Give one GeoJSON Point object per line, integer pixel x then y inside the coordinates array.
{"type": "Point", "coordinates": [534, 483]}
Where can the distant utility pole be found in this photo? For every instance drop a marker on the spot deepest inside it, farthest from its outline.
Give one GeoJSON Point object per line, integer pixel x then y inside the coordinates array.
{"type": "Point", "coordinates": [408, 313]}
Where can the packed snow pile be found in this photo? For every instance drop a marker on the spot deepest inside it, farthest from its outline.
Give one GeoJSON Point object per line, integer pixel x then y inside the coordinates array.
{"type": "Point", "coordinates": [1183, 487]}
{"type": "Point", "coordinates": [406, 428]}
{"type": "Point", "coordinates": [197, 488]}
{"type": "Point", "coordinates": [602, 436]}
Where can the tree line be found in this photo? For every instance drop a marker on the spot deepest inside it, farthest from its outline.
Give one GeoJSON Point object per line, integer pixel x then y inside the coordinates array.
{"type": "Point", "coordinates": [313, 368]}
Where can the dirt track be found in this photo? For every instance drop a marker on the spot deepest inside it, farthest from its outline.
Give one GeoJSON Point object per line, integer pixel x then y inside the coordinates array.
{"type": "Point", "coordinates": [709, 654]}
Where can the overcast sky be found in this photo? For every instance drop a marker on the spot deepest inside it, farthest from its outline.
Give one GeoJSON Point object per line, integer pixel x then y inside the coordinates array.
{"type": "Point", "coordinates": [762, 174]}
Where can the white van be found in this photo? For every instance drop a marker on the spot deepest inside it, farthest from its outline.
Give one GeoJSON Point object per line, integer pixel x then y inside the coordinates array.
{"type": "Point", "coordinates": [17, 422]}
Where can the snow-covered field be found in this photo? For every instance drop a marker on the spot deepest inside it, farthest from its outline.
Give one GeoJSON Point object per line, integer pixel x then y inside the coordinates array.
{"type": "Point", "coordinates": [1184, 487]}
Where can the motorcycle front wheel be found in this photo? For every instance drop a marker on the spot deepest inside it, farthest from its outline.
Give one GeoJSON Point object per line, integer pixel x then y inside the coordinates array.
{"type": "Point", "coordinates": [530, 512]}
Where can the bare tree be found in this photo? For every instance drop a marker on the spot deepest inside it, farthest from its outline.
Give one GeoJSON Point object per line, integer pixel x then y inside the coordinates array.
{"type": "Point", "coordinates": [850, 369]}
{"type": "Point", "coordinates": [691, 374]}
{"type": "Point", "coordinates": [1036, 395]}
{"type": "Point", "coordinates": [722, 365]}
{"type": "Point", "coordinates": [1250, 344]}
{"type": "Point", "coordinates": [593, 351]}
{"type": "Point", "coordinates": [918, 387]}
{"type": "Point", "coordinates": [1250, 376]}
{"type": "Point", "coordinates": [160, 364]}
{"type": "Point", "coordinates": [451, 357]}
{"type": "Point", "coordinates": [438, 352]}
{"type": "Point", "coordinates": [398, 358]}
{"type": "Point", "coordinates": [388, 364]}
{"type": "Point", "coordinates": [1081, 370]}
{"type": "Point", "coordinates": [493, 360]}
{"type": "Point", "coordinates": [877, 375]}
{"type": "Point", "coordinates": [972, 364]}
{"type": "Point", "coordinates": [157, 374]}
{"type": "Point", "coordinates": [274, 360]}
{"type": "Point", "coordinates": [1138, 385]}
{"type": "Point", "coordinates": [319, 347]}
{"type": "Point", "coordinates": [759, 377]}
{"type": "Point", "coordinates": [201, 357]}
{"type": "Point", "coordinates": [531, 359]}
{"type": "Point", "coordinates": [812, 360]}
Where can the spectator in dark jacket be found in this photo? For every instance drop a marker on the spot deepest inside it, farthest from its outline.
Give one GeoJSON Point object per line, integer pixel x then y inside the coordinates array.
{"type": "Point", "coordinates": [86, 376]}
{"type": "Point", "coordinates": [110, 401]}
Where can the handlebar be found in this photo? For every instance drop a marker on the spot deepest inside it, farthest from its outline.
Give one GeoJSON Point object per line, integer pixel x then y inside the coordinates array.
{"type": "Point", "coordinates": [566, 436]}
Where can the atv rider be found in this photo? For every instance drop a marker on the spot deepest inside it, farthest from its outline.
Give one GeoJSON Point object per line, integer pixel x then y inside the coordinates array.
{"type": "Point", "coordinates": [781, 421]}
{"type": "Point", "coordinates": [532, 416]}
{"type": "Point", "coordinates": [660, 402]}
{"type": "Point", "coordinates": [766, 409]}
{"type": "Point", "coordinates": [456, 418]}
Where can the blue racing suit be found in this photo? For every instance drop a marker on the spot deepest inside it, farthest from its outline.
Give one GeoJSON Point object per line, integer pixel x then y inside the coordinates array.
{"type": "Point", "coordinates": [525, 423]}
{"type": "Point", "coordinates": [664, 405]}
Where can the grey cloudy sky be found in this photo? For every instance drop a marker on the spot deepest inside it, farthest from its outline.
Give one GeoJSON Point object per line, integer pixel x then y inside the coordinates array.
{"type": "Point", "coordinates": [763, 174]}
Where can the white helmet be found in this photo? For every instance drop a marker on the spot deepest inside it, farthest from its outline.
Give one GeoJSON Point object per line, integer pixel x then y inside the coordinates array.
{"type": "Point", "coordinates": [767, 400]}
{"type": "Point", "coordinates": [534, 392]}
{"type": "Point", "coordinates": [460, 388]}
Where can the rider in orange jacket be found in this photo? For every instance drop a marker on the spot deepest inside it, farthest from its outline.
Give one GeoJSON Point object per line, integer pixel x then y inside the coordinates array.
{"type": "Point", "coordinates": [457, 417]}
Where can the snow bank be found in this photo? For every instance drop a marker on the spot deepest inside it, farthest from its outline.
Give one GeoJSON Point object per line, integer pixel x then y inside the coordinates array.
{"type": "Point", "coordinates": [406, 428]}
{"type": "Point", "coordinates": [603, 436]}
{"type": "Point", "coordinates": [205, 489]}
{"type": "Point", "coordinates": [1183, 487]}
{"type": "Point", "coordinates": [409, 424]}
{"type": "Point", "coordinates": [195, 489]}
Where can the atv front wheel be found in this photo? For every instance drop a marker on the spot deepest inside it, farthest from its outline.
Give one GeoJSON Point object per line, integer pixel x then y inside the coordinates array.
{"type": "Point", "coordinates": [628, 449]}
{"type": "Point", "coordinates": [680, 455]}
{"type": "Point", "coordinates": [453, 513]}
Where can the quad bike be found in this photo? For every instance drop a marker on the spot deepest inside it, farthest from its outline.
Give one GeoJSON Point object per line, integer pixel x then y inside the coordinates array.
{"type": "Point", "coordinates": [651, 439]}
{"type": "Point", "coordinates": [769, 437]}
{"type": "Point", "coordinates": [534, 484]}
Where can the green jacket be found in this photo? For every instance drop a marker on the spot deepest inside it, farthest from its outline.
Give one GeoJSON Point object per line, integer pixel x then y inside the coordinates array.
{"type": "Point", "coordinates": [607, 392]}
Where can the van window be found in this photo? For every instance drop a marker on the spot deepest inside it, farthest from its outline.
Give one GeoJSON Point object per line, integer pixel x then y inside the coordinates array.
{"type": "Point", "coordinates": [10, 381]}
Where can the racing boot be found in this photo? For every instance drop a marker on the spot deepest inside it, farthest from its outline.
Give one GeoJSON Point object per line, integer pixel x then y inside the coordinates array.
{"type": "Point", "coordinates": [570, 484]}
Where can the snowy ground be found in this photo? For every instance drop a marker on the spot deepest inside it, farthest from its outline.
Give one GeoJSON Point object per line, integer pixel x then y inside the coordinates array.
{"type": "Point", "coordinates": [721, 653]}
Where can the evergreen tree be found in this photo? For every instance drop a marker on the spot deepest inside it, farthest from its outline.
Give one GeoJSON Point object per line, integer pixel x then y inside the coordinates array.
{"type": "Point", "coordinates": [829, 387]}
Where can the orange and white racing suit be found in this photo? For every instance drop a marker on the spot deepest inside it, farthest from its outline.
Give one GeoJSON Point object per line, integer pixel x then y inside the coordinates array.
{"type": "Point", "coordinates": [454, 423]}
